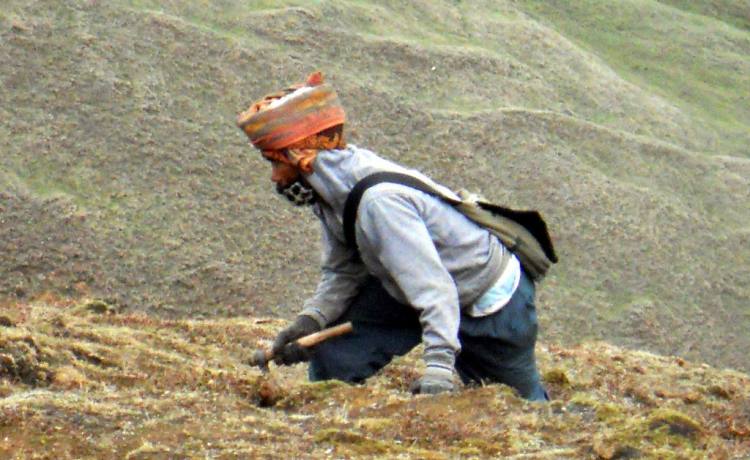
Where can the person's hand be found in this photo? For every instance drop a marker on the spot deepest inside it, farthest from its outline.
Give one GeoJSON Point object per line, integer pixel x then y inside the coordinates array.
{"type": "Point", "coordinates": [436, 379]}
{"type": "Point", "coordinates": [285, 349]}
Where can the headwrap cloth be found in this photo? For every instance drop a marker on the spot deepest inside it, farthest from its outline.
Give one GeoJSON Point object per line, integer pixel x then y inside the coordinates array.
{"type": "Point", "coordinates": [290, 126]}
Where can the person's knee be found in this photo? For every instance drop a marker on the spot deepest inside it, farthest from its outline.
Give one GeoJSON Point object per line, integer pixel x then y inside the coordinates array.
{"type": "Point", "coordinates": [523, 375]}
{"type": "Point", "coordinates": [353, 364]}
{"type": "Point", "coordinates": [535, 392]}
{"type": "Point", "coordinates": [528, 382]}
{"type": "Point", "coordinates": [329, 363]}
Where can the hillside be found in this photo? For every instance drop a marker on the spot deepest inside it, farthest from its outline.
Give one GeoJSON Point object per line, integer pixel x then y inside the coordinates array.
{"type": "Point", "coordinates": [122, 175]}
{"type": "Point", "coordinates": [81, 381]}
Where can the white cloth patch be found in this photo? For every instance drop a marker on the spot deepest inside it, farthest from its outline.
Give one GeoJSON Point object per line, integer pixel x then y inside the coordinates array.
{"type": "Point", "coordinates": [500, 293]}
{"type": "Point", "coordinates": [298, 92]}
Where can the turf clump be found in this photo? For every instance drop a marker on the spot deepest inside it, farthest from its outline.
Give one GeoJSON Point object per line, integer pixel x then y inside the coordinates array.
{"type": "Point", "coordinates": [676, 423]}
{"type": "Point", "coordinates": [123, 176]}
{"type": "Point", "coordinates": [22, 360]}
{"type": "Point", "coordinates": [344, 441]}
{"type": "Point", "coordinates": [87, 385]}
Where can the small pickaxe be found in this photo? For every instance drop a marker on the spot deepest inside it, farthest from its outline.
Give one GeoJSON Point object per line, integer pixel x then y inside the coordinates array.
{"type": "Point", "coordinates": [261, 357]}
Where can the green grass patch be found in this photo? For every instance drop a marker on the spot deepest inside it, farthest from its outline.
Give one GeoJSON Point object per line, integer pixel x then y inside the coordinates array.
{"type": "Point", "coordinates": [692, 61]}
{"type": "Point", "coordinates": [732, 12]}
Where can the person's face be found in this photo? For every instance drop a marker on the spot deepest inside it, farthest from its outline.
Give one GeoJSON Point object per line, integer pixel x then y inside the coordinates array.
{"type": "Point", "coordinates": [289, 181]}
{"type": "Point", "coordinates": [283, 174]}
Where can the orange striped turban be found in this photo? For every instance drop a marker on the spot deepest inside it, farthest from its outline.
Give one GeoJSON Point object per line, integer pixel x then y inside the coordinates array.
{"type": "Point", "coordinates": [281, 120]}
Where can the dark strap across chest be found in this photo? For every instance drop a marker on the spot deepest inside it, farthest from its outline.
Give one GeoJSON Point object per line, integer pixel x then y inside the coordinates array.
{"type": "Point", "coordinates": [524, 233]}
{"type": "Point", "coordinates": [355, 196]}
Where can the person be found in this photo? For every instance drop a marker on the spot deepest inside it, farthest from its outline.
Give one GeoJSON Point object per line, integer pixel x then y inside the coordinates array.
{"type": "Point", "coordinates": [420, 272]}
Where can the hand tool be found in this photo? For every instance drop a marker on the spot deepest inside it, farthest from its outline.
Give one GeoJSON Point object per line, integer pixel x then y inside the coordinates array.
{"type": "Point", "coordinates": [261, 357]}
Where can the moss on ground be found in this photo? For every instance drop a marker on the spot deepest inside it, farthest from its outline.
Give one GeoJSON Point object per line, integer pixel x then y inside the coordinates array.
{"type": "Point", "coordinates": [85, 384]}
{"type": "Point", "coordinates": [124, 177]}
{"type": "Point", "coordinates": [124, 180]}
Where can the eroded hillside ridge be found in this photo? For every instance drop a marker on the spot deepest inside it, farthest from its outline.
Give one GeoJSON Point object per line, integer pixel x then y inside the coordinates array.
{"type": "Point", "coordinates": [123, 176]}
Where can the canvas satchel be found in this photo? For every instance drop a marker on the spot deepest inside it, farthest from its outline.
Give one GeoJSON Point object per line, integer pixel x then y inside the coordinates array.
{"type": "Point", "coordinates": [524, 233]}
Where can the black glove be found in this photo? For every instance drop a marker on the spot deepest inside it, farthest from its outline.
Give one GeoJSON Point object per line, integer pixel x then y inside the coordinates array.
{"type": "Point", "coordinates": [285, 349]}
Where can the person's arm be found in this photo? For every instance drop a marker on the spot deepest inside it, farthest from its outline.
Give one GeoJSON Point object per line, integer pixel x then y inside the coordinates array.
{"type": "Point", "coordinates": [342, 276]}
{"type": "Point", "coordinates": [390, 227]}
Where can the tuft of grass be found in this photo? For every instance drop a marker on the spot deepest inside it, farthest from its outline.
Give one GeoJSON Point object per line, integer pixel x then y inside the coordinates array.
{"type": "Point", "coordinates": [180, 388]}
{"type": "Point", "coordinates": [123, 176]}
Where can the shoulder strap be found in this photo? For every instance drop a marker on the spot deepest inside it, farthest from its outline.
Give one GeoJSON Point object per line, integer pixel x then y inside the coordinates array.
{"type": "Point", "coordinates": [355, 196]}
{"type": "Point", "coordinates": [522, 223]}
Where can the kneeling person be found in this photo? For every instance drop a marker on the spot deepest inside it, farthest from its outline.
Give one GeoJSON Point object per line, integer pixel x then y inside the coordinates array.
{"type": "Point", "coordinates": [420, 272]}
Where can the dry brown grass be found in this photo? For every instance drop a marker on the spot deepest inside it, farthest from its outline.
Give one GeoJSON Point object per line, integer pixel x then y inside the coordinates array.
{"type": "Point", "coordinates": [123, 175]}
{"type": "Point", "coordinates": [78, 382]}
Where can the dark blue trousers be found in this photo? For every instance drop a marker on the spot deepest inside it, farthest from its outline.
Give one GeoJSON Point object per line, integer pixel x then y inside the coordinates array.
{"type": "Point", "coordinates": [497, 348]}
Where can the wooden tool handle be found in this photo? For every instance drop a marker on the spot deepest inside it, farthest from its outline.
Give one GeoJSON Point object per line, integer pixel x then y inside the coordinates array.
{"type": "Point", "coordinates": [320, 336]}
{"type": "Point", "coordinates": [261, 357]}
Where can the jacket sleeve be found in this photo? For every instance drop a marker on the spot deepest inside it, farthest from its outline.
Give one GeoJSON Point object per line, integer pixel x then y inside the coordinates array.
{"type": "Point", "coordinates": [391, 228]}
{"type": "Point", "coordinates": [342, 276]}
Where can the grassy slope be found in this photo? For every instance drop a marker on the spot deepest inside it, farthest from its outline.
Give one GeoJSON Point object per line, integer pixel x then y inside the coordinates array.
{"type": "Point", "coordinates": [81, 381]}
{"type": "Point", "coordinates": [124, 176]}
{"type": "Point", "coordinates": [697, 62]}
{"type": "Point", "coordinates": [733, 12]}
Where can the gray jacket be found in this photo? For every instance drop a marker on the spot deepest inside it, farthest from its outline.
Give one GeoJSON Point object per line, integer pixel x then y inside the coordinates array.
{"type": "Point", "coordinates": [425, 253]}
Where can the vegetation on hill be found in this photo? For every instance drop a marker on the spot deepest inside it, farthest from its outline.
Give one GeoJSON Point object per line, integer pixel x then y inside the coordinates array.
{"type": "Point", "coordinates": [80, 380]}
{"type": "Point", "coordinates": [692, 54]}
{"type": "Point", "coordinates": [123, 176]}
